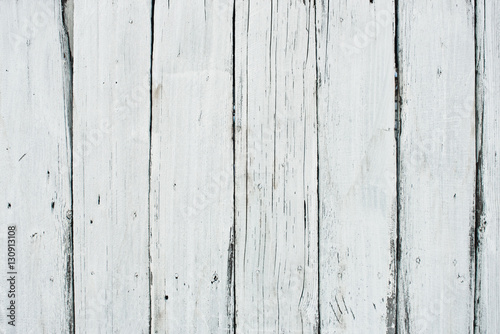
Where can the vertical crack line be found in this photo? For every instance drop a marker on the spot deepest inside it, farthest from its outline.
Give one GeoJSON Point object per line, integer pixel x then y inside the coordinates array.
{"type": "Point", "coordinates": [479, 112]}
{"type": "Point", "coordinates": [150, 275]}
{"type": "Point", "coordinates": [233, 254]}
{"type": "Point", "coordinates": [397, 132]}
{"type": "Point", "coordinates": [245, 114]}
{"type": "Point", "coordinates": [67, 18]}
{"type": "Point", "coordinates": [317, 167]}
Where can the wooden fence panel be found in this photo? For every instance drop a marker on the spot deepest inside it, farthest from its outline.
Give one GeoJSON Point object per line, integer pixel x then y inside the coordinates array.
{"type": "Point", "coordinates": [242, 166]}
{"type": "Point", "coordinates": [357, 166]}
{"type": "Point", "coordinates": [488, 224]}
{"type": "Point", "coordinates": [35, 179]}
{"type": "Point", "coordinates": [192, 210]}
{"type": "Point", "coordinates": [437, 166]}
{"type": "Point", "coordinates": [111, 122]}
{"type": "Point", "coordinates": [276, 168]}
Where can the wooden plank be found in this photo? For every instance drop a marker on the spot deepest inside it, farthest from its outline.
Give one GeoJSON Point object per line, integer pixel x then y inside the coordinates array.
{"type": "Point", "coordinates": [357, 166]}
{"type": "Point", "coordinates": [192, 168]}
{"type": "Point", "coordinates": [112, 52]}
{"type": "Point", "coordinates": [437, 166]}
{"type": "Point", "coordinates": [488, 232]}
{"type": "Point", "coordinates": [35, 159]}
{"type": "Point", "coordinates": [276, 168]}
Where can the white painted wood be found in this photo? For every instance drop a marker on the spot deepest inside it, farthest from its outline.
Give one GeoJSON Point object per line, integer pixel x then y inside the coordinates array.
{"type": "Point", "coordinates": [35, 156]}
{"type": "Point", "coordinates": [437, 171]}
{"type": "Point", "coordinates": [357, 166]}
{"type": "Point", "coordinates": [488, 93]}
{"type": "Point", "coordinates": [291, 227]}
{"type": "Point", "coordinates": [192, 168]}
{"type": "Point", "coordinates": [276, 168]}
{"type": "Point", "coordinates": [112, 52]}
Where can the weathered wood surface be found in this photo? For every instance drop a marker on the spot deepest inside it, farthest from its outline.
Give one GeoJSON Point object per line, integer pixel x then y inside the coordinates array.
{"type": "Point", "coordinates": [437, 166]}
{"type": "Point", "coordinates": [240, 166]}
{"type": "Point", "coordinates": [488, 112]}
{"type": "Point", "coordinates": [111, 121]}
{"type": "Point", "coordinates": [192, 242]}
{"type": "Point", "coordinates": [35, 159]}
{"type": "Point", "coordinates": [357, 166]}
{"type": "Point", "coordinates": [276, 168]}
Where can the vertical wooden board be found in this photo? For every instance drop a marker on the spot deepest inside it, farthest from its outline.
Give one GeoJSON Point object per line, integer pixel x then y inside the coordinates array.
{"type": "Point", "coordinates": [276, 168]}
{"type": "Point", "coordinates": [192, 168]}
{"type": "Point", "coordinates": [357, 166]}
{"type": "Point", "coordinates": [488, 93]}
{"type": "Point", "coordinates": [35, 159]}
{"type": "Point", "coordinates": [112, 52]}
{"type": "Point", "coordinates": [437, 166]}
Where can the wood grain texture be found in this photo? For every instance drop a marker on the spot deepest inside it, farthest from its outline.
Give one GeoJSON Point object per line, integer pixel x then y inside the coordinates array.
{"type": "Point", "coordinates": [35, 157]}
{"type": "Point", "coordinates": [276, 168]}
{"type": "Point", "coordinates": [488, 232]}
{"type": "Point", "coordinates": [112, 52]}
{"type": "Point", "coordinates": [192, 168]}
{"type": "Point", "coordinates": [437, 170]}
{"type": "Point", "coordinates": [357, 166]}
{"type": "Point", "coordinates": [217, 166]}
